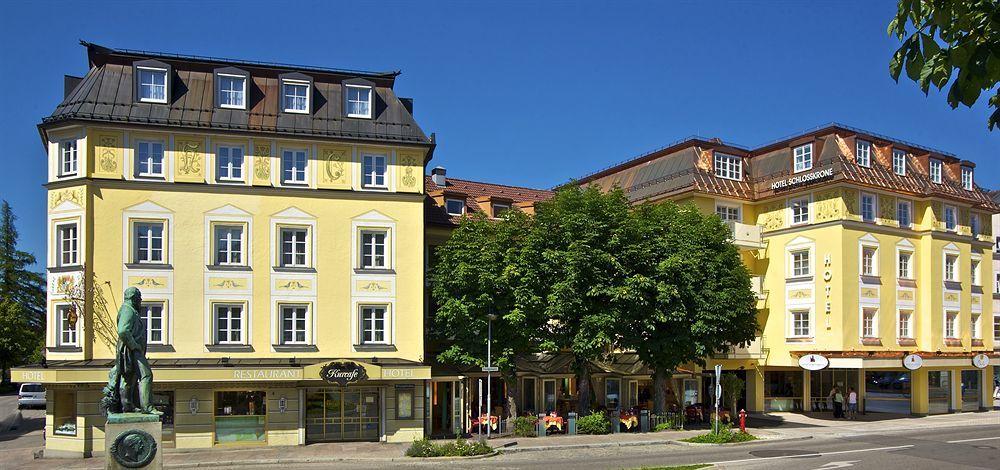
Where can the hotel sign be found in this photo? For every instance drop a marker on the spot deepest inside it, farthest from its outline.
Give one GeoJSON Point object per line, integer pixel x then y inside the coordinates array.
{"type": "Point", "coordinates": [813, 362]}
{"type": "Point", "coordinates": [343, 373]}
{"type": "Point", "coordinates": [798, 180]}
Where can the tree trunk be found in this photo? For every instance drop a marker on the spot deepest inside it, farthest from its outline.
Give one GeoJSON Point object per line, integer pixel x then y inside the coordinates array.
{"type": "Point", "coordinates": [512, 388]}
{"type": "Point", "coordinates": [660, 378]}
{"type": "Point", "coordinates": [582, 387]}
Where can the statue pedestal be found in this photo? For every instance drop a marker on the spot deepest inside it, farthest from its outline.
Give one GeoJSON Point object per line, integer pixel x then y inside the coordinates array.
{"type": "Point", "coordinates": [135, 439]}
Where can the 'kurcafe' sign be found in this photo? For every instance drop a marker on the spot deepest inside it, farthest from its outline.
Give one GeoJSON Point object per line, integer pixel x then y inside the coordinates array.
{"type": "Point", "coordinates": [802, 179]}
{"type": "Point", "coordinates": [343, 373]}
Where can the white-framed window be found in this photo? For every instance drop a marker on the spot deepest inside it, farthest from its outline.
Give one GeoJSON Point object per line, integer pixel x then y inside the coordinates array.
{"type": "Point", "coordinates": [68, 322]}
{"type": "Point", "coordinates": [728, 166]}
{"type": "Point", "coordinates": [229, 323]}
{"type": "Point", "coordinates": [800, 210]}
{"type": "Point", "coordinates": [149, 158]}
{"type": "Point", "coordinates": [950, 218]}
{"type": "Point", "coordinates": [373, 249]}
{"type": "Point", "coordinates": [295, 96]}
{"type": "Point", "coordinates": [869, 261]}
{"type": "Point", "coordinates": [68, 160]}
{"type": "Point", "coordinates": [152, 84]}
{"type": "Point", "coordinates": [976, 280]}
{"type": "Point", "coordinates": [229, 245]}
{"type": "Point", "coordinates": [373, 171]}
{"type": "Point", "coordinates": [728, 212]}
{"type": "Point", "coordinates": [801, 326]}
{"type": "Point", "coordinates": [498, 208]}
{"type": "Point", "coordinates": [974, 324]}
{"type": "Point", "coordinates": [863, 153]}
{"type": "Point", "coordinates": [801, 265]}
{"type": "Point", "coordinates": [974, 224]}
{"type": "Point", "coordinates": [996, 329]}
{"type": "Point", "coordinates": [935, 170]}
{"type": "Point", "coordinates": [454, 206]}
{"type": "Point", "coordinates": [293, 166]}
{"type": "Point", "coordinates": [294, 319]}
{"type": "Point", "coordinates": [359, 101]}
{"type": "Point", "coordinates": [967, 178]}
{"type": "Point", "coordinates": [951, 325]}
{"type": "Point", "coordinates": [951, 268]}
{"type": "Point", "coordinates": [148, 242]}
{"type": "Point", "coordinates": [232, 91]}
{"type": "Point", "coordinates": [803, 157]}
{"type": "Point", "coordinates": [869, 323]}
{"type": "Point", "coordinates": [294, 247]}
{"type": "Point", "coordinates": [904, 213]}
{"type": "Point", "coordinates": [374, 324]}
{"type": "Point", "coordinates": [905, 324]}
{"type": "Point", "coordinates": [152, 317]}
{"type": "Point", "coordinates": [67, 243]}
{"type": "Point", "coordinates": [905, 265]}
{"type": "Point", "coordinates": [230, 163]}
{"type": "Point", "coordinates": [899, 162]}
{"type": "Point", "coordinates": [868, 205]}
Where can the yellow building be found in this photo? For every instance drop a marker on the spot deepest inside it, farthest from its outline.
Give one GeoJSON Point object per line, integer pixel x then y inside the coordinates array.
{"type": "Point", "coordinates": [273, 218]}
{"type": "Point", "coordinates": [864, 250]}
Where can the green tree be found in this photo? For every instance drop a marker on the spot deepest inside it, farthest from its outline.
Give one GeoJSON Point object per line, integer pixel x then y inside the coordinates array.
{"type": "Point", "coordinates": [732, 389]}
{"type": "Point", "coordinates": [477, 273]}
{"type": "Point", "coordinates": [695, 295]}
{"type": "Point", "coordinates": [19, 342]}
{"type": "Point", "coordinates": [17, 281]}
{"type": "Point", "coordinates": [950, 36]}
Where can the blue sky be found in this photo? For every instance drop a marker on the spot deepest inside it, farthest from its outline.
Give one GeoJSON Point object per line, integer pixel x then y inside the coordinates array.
{"type": "Point", "coordinates": [525, 93]}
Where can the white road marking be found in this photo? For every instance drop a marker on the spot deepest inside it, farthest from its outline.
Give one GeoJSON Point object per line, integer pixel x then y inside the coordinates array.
{"type": "Point", "coordinates": [815, 454]}
{"type": "Point", "coordinates": [840, 464]}
{"type": "Point", "coordinates": [973, 440]}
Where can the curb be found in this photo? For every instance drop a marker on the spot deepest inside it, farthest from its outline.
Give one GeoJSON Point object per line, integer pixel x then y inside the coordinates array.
{"type": "Point", "coordinates": [238, 463]}
{"type": "Point", "coordinates": [759, 440]}
{"type": "Point", "coordinates": [588, 446]}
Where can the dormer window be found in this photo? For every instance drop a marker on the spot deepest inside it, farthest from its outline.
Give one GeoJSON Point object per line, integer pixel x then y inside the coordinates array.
{"type": "Point", "coordinates": [803, 157]}
{"type": "Point", "coordinates": [728, 166]}
{"type": "Point", "coordinates": [967, 178]}
{"type": "Point", "coordinates": [899, 162]}
{"type": "Point", "coordinates": [863, 153]}
{"type": "Point", "coordinates": [231, 88]}
{"type": "Point", "coordinates": [359, 101]}
{"type": "Point", "coordinates": [454, 206]}
{"type": "Point", "coordinates": [295, 96]}
{"type": "Point", "coordinates": [152, 84]}
{"type": "Point", "coordinates": [935, 171]}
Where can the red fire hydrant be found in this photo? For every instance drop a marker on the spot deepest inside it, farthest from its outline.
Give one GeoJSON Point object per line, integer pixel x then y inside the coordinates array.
{"type": "Point", "coordinates": [743, 420]}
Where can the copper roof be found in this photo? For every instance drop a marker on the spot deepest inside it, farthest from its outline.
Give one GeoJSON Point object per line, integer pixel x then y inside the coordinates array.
{"type": "Point", "coordinates": [436, 215]}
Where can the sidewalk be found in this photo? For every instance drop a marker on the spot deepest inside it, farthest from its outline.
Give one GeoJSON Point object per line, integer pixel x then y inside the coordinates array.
{"type": "Point", "coordinates": [793, 424]}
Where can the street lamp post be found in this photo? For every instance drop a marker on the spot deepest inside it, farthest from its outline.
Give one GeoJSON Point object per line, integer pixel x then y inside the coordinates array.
{"type": "Point", "coordinates": [489, 373]}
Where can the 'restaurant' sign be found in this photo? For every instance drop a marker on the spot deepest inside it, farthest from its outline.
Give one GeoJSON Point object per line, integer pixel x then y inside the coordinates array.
{"type": "Point", "coordinates": [343, 373]}
{"type": "Point", "coordinates": [813, 362]}
{"type": "Point", "coordinates": [802, 179]}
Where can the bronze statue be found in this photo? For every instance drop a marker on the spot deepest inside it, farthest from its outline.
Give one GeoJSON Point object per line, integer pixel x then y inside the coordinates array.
{"type": "Point", "coordinates": [130, 381]}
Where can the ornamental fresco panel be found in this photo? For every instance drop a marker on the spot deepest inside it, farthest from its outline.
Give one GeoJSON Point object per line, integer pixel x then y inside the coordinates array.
{"type": "Point", "coordinates": [107, 154]}
{"type": "Point", "coordinates": [409, 171]}
{"type": "Point", "coordinates": [829, 205]}
{"type": "Point", "coordinates": [74, 195]}
{"type": "Point", "coordinates": [335, 167]}
{"type": "Point", "coordinates": [262, 163]}
{"type": "Point", "coordinates": [189, 159]}
{"type": "Point", "coordinates": [773, 216]}
{"type": "Point", "coordinates": [887, 210]}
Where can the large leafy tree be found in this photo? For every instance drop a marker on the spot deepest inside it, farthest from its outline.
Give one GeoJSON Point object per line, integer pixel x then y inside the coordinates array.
{"type": "Point", "coordinates": [17, 281]}
{"type": "Point", "coordinates": [19, 342]}
{"type": "Point", "coordinates": [476, 273]}
{"type": "Point", "coordinates": [695, 291]}
{"type": "Point", "coordinates": [950, 36]}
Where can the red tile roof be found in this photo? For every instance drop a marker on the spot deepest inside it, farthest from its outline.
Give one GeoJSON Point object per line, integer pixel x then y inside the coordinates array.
{"type": "Point", "coordinates": [436, 214]}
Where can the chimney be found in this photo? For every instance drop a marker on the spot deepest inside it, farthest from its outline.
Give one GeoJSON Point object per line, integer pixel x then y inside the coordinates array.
{"type": "Point", "coordinates": [437, 176]}
{"type": "Point", "coordinates": [408, 104]}
{"type": "Point", "coordinates": [69, 84]}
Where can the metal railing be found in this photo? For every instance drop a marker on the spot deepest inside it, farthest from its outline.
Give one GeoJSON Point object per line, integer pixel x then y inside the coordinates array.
{"type": "Point", "coordinates": [757, 349]}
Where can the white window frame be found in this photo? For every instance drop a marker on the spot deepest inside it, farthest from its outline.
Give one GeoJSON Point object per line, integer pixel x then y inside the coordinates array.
{"type": "Point", "coordinates": [306, 322]}
{"type": "Point", "coordinates": [149, 161]}
{"type": "Point", "coordinates": [145, 313]}
{"type": "Point", "coordinates": [950, 218]}
{"type": "Point", "coordinates": [792, 262]}
{"type": "Point", "coordinates": [863, 153]}
{"type": "Point", "coordinates": [967, 178]}
{"type": "Point", "coordinates": [243, 92]}
{"type": "Point", "coordinates": [69, 158]}
{"type": "Point", "coordinates": [365, 264]}
{"type": "Point", "coordinates": [869, 329]}
{"type": "Point", "coordinates": [447, 204]}
{"type": "Point", "coordinates": [872, 265]}
{"type": "Point", "coordinates": [293, 155]}
{"type": "Point", "coordinates": [950, 270]}
{"type": "Point", "coordinates": [295, 242]}
{"type": "Point", "coordinates": [729, 212]}
{"type": "Point", "coordinates": [974, 227]}
{"type": "Point", "coordinates": [225, 256]}
{"type": "Point", "coordinates": [225, 167]}
{"type": "Point", "coordinates": [975, 323]}
{"type": "Point", "coordinates": [243, 327]}
{"type": "Point", "coordinates": [793, 327]}
{"type": "Point", "coordinates": [166, 87]}
{"type": "Point", "coordinates": [797, 208]}
{"type": "Point", "coordinates": [906, 273]}
{"type": "Point", "coordinates": [802, 158]}
{"type": "Point", "coordinates": [909, 323]}
{"type": "Point", "coordinates": [900, 203]}
{"type": "Point", "coordinates": [371, 94]}
{"type": "Point", "coordinates": [899, 162]}
{"type": "Point", "coordinates": [137, 252]}
{"type": "Point", "coordinates": [284, 95]}
{"type": "Point", "coordinates": [975, 268]}
{"type": "Point", "coordinates": [956, 325]}
{"type": "Point", "coordinates": [874, 207]}
{"type": "Point", "coordinates": [386, 324]}
{"type": "Point", "coordinates": [65, 336]}
{"type": "Point", "coordinates": [934, 170]}
{"type": "Point", "coordinates": [72, 252]}
{"type": "Point", "coordinates": [369, 171]}
{"type": "Point", "coordinates": [727, 166]}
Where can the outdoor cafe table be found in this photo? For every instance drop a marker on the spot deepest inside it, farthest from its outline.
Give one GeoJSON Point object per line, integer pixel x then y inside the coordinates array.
{"type": "Point", "coordinates": [629, 420]}
{"type": "Point", "coordinates": [476, 422]}
{"type": "Point", "coordinates": [553, 421]}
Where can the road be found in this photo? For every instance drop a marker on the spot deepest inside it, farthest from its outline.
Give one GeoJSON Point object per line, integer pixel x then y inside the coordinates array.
{"type": "Point", "coordinates": [21, 431]}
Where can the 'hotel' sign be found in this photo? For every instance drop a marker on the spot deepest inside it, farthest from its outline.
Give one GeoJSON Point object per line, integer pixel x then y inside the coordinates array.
{"type": "Point", "coordinates": [802, 179]}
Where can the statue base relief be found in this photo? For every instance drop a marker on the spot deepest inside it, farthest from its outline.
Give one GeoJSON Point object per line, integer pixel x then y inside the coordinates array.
{"type": "Point", "coordinates": [133, 440]}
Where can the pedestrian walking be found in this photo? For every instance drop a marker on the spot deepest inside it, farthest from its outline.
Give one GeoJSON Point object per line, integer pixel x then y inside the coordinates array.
{"type": "Point", "coordinates": [838, 403]}
{"type": "Point", "coordinates": [852, 404]}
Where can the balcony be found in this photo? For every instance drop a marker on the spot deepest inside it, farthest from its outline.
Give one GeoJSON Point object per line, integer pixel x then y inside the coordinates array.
{"type": "Point", "coordinates": [757, 286]}
{"type": "Point", "coordinates": [746, 236]}
{"type": "Point", "coordinates": [755, 350]}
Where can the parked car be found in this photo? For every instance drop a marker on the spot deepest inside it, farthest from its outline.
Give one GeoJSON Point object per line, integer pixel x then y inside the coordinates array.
{"type": "Point", "coordinates": [31, 395]}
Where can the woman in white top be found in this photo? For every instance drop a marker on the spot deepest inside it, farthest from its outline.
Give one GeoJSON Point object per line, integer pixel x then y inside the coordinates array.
{"type": "Point", "coordinates": [852, 404]}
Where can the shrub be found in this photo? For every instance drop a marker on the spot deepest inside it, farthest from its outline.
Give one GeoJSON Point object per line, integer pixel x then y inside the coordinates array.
{"type": "Point", "coordinates": [662, 427]}
{"type": "Point", "coordinates": [524, 426]}
{"type": "Point", "coordinates": [458, 448]}
{"type": "Point", "coordinates": [724, 436]}
{"type": "Point", "coordinates": [596, 423]}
